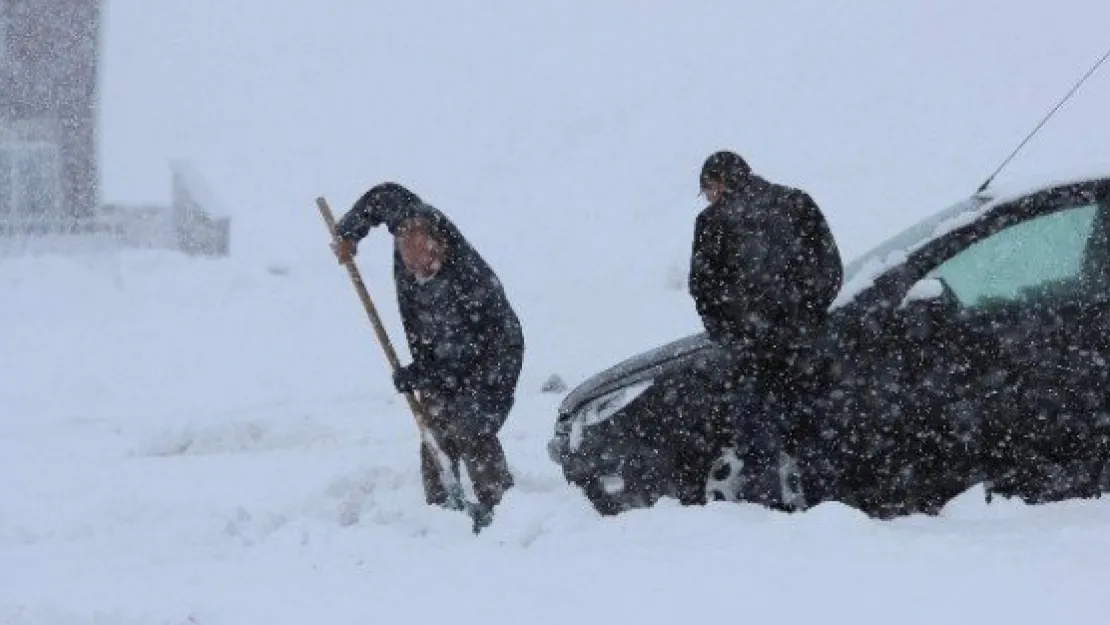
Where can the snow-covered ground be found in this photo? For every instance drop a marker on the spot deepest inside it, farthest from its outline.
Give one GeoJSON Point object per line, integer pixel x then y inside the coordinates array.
{"type": "Point", "coordinates": [216, 441]}
{"type": "Point", "coordinates": [210, 441]}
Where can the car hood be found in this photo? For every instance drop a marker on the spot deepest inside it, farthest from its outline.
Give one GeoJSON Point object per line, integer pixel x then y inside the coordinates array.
{"type": "Point", "coordinates": [635, 369]}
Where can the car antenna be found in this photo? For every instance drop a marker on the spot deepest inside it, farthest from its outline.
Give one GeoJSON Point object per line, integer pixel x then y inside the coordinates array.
{"type": "Point", "coordinates": [1082, 80]}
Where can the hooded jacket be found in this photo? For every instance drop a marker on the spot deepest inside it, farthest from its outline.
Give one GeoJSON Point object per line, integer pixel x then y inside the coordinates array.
{"type": "Point", "coordinates": [461, 330]}
{"type": "Point", "coordinates": [764, 266]}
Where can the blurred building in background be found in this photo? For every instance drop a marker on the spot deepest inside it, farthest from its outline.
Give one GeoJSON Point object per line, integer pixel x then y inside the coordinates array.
{"type": "Point", "coordinates": [49, 157]}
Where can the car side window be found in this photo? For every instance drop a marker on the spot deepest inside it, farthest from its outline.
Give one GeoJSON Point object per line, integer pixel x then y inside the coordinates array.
{"type": "Point", "coordinates": [1055, 256]}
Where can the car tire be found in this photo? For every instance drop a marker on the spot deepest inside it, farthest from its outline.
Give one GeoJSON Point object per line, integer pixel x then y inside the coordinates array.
{"type": "Point", "coordinates": [726, 479]}
{"type": "Point", "coordinates": [732, 479]}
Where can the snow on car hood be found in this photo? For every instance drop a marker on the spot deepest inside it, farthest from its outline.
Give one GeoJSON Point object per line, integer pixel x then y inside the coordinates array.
{"type": "Point", "coordinates": [632, 370]}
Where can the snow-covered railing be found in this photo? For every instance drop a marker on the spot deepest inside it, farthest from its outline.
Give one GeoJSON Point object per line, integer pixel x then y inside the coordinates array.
{"type": "Point", "coordinates": [192, 223]}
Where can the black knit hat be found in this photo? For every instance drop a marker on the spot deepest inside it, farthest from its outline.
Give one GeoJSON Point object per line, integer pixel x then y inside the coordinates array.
{"type": "Point", "coordinates": [390, 196]}
{"type": "Point", "coordinates": [726, 167]}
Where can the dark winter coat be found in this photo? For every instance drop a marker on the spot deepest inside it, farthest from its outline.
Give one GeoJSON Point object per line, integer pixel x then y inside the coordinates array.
{"type": "Point", "coordinates": [764, 266]}
{"type": "Point", "coordinates": [461, 330]}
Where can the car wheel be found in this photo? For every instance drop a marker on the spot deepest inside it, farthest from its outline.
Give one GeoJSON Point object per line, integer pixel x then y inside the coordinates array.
{"type": "Point", "coordinates": [731, 479]}
{"type": "Point", "coordinates": [726, 478]}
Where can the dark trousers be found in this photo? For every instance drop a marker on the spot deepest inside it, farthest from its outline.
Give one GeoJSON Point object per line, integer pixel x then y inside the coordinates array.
{"type": "Point", "coordinates": [466, 425]}
{"type": "Point", "coordinates": [770, 390]}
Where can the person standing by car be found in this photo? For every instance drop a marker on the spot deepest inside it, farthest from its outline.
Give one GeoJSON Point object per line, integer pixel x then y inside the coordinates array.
{"type": "Point", "coordinates": [764, 269]}
{"type": "Point", "coordinates": [465, 338]}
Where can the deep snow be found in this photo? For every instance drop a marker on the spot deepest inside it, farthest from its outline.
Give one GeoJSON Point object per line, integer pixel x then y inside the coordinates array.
{"type": "Point", "coordinates": [215, 441]}
{"type": "Point", "coordinates": [208, 441]}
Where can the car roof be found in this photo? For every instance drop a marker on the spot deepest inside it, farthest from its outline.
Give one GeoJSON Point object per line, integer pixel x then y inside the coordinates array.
{"type": "Point", "coordinates": [861, 272]}
{"type": "Point", "coordinates": [1001, 194]}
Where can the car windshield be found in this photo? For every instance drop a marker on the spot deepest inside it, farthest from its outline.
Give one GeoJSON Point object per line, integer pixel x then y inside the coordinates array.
{"type": "Point", "coordinates": [861, 272]}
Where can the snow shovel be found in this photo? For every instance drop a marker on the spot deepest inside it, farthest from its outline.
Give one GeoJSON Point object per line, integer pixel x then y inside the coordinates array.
{"type": "Point", "coordinates": [456, 499]}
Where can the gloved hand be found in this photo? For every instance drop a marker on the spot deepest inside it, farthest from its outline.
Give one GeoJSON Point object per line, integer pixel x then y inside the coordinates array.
{"type": "Point", "coordinates": [345, 249]}
{"type": "Point", "coordinates": [410, 378]}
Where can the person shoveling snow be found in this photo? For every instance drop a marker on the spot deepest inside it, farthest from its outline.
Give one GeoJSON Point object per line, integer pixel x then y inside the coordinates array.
{"type": "Point", "coordinates": [466, 340]}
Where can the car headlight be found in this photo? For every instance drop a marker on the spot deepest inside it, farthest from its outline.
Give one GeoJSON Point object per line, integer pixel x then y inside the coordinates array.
{"type": "Point", "coordinates": [602, 408]}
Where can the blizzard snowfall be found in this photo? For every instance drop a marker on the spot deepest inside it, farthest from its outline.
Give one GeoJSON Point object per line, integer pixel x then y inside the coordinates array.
{"type": "Point", "coordinates": [197, 441]}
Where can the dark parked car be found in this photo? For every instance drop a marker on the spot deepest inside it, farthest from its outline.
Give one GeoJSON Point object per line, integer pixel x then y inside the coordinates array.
{"type": "Point", "coordinates": [972, 348]}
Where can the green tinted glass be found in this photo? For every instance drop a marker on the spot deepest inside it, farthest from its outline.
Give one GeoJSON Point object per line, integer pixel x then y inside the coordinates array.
{"type": "Point", "coordinates": [1035, 254]}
